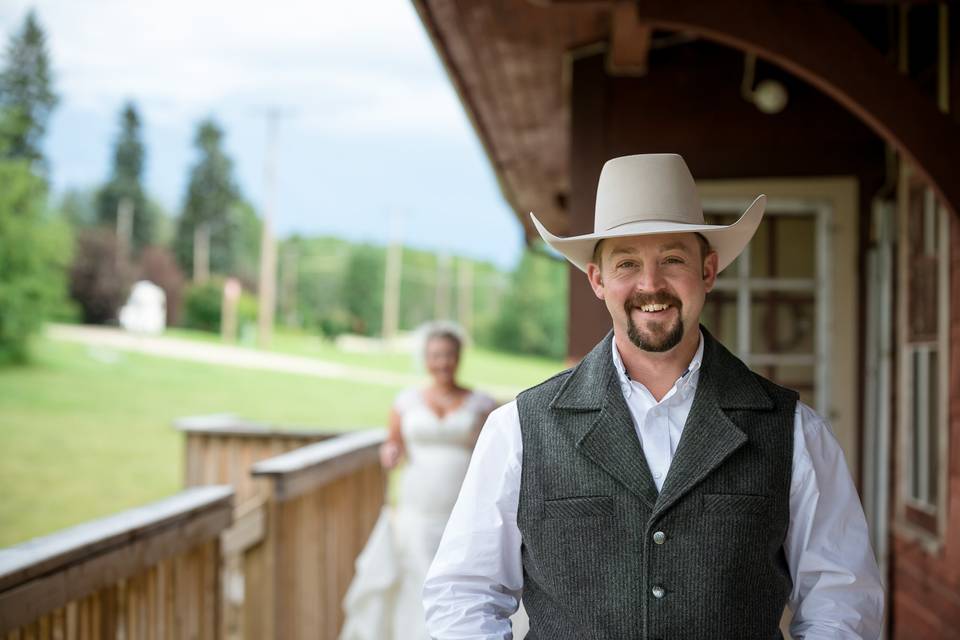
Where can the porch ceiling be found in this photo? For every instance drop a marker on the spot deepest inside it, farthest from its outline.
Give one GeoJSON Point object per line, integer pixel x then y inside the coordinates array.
{"type": "Point", "coordinates": [508, 60]}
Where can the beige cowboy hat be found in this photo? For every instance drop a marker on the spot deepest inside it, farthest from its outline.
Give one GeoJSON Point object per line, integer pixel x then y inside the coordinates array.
{"type": "Point", "coordinates": [649, 194]}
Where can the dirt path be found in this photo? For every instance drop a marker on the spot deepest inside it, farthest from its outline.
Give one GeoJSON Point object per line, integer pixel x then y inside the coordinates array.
{"type": "Point", "coordinates": [243, 357]}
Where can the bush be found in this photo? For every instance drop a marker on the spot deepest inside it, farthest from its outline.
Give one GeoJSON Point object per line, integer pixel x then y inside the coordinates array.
{"type": "Point", "coordinates": [34, 251]}
{"type": "Point", "coordinates": [158, 265]}
{"type": "Point", "coordinates": [99, 283]}
{"type": "Point", "coordinates": [203, 304]}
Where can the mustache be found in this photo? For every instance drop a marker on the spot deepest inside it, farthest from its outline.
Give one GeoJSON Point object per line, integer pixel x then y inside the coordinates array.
{"type": "Point", "coordinates": [660, 297]}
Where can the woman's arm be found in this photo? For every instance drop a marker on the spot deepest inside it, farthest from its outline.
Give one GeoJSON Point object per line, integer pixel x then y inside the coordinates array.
{"type": "Point", "coordinates": [392, 449]}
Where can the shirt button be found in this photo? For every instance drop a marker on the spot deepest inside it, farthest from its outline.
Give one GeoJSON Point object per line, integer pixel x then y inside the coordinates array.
{"type": "Point", "coordinates": [658, 591]}
{"type": "Point", "coordinates": [659, 537]}
{"type": "Point", "coordinates": [657, 475]}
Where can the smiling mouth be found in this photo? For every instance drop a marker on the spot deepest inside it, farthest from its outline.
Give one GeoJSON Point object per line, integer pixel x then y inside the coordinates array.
{"type": "Point", "coordinates": [653, 308]}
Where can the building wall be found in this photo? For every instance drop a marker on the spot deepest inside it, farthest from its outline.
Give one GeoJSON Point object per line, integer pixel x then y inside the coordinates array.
{"type": "Point", "coordinates": [925, 576]}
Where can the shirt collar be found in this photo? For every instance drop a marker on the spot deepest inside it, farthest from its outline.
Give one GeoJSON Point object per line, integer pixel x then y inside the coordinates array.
{"type": "Point", "coordinates": [625, 381]}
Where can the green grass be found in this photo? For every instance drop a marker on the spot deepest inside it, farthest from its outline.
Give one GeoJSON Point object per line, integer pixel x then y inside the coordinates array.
{"type": "Point", "coordinates": [87, 432]}
{"type": "Point", "coordinates": [480, 367]}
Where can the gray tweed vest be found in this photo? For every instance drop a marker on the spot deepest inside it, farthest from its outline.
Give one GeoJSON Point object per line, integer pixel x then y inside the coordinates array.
{"type": "Point", "coordinates": [607, 557]}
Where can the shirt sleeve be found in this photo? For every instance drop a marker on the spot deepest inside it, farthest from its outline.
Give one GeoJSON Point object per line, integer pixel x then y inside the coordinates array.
{"type": "Point", "coordinates": [837, 592]}
{"type": "Point", "coordinates": [476, 579]}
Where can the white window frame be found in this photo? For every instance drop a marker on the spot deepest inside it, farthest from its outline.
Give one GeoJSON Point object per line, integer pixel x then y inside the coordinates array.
{"type": "Point", "coordinates": [906, 499]}
{"type": "Point", "coordinates": [820, 285]}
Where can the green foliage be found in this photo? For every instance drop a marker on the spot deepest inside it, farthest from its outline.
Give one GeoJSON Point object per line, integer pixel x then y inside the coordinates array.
{"type": "Point", "coordinates": [213, 200]}
{"type": "Point", "coordinates": [34, 250]}
{"type": "Point", "coordinates": [533, 319]}
{"type": "Point", "coordinates": [26, 93]}
{"type": "Point", "coordinates": [362, 289]}
{"type": "Point", "coordinates": [125, 183]}
{"type": "Point", "coordinates": [203, 305]}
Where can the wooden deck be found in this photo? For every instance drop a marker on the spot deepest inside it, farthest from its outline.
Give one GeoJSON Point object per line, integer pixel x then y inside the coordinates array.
{"type": "Point", "coordinates": [261, 544]}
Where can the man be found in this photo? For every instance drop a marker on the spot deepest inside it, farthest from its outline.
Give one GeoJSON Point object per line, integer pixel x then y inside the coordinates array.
{"type": "Point", "coordinates": [659, 489]}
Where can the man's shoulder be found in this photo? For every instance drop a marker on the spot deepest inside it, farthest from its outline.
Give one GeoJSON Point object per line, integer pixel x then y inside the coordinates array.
{"type": "Point", "coordinates": [547, 389]}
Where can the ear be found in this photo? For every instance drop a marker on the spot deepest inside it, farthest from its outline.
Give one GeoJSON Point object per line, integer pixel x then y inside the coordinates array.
{"type": "Point", "coordinates": [710, 269]}
{"type": "Point", "coordinates": [596, 279]}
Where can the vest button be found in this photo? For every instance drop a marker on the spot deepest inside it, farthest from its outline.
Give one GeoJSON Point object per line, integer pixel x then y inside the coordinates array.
{"type": "Point", "coordinates": [659, 537]}
{"type": "Point", "coordinates": [658, 591]}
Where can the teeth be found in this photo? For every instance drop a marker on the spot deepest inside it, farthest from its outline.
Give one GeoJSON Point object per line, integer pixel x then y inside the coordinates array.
{"type": "Point", "coordinates": [654, 307]}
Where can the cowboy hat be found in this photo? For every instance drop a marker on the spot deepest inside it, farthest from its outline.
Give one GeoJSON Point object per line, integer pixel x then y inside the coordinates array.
{"type": "Point", "coordinates": [650, 194]}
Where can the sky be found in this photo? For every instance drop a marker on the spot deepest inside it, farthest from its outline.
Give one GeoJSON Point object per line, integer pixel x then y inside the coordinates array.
{"type": "Point", "coordinates": [373, 141]}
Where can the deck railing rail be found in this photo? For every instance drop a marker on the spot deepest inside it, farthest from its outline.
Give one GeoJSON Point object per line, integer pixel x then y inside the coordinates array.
{"type": "Point", "coordinates": [150, 572]}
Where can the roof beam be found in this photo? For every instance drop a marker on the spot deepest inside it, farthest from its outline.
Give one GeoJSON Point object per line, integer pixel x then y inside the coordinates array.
{"type": "Point", "coordinates": [629, 41]}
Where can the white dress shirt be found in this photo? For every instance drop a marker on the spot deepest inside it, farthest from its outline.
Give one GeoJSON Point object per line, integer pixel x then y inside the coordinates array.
{"type": "Point", "coordinates": [476, 579]}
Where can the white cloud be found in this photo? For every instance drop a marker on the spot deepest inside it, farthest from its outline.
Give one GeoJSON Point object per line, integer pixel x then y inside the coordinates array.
{"type": "Point", "coordinates": [350, 67]}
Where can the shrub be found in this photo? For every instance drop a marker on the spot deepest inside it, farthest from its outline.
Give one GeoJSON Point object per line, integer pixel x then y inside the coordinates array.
{"type": "Point", "coordinates": [34, 251]}
{"type": "Point", "coordinates": [99, 282]}
{"type": "Point", "coordinates": [158, 265]}
{"type": "Point", "coordinates": [203, 305]}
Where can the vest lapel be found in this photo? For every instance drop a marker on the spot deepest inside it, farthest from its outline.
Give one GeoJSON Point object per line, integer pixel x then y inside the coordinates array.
{"type": "Point", "coordinates": [611, 441]}
{"type": "Point", "coordinates": [709, 435]}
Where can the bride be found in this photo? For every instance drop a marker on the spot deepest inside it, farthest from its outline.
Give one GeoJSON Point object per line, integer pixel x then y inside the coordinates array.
{"type": "Point", "coordinates": [434, 429]}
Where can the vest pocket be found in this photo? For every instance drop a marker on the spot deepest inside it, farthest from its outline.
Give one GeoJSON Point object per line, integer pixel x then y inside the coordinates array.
{"type": "Point", "coordinates": [734, 504]}
{"type": "Point", "coordinates": [580, 507]}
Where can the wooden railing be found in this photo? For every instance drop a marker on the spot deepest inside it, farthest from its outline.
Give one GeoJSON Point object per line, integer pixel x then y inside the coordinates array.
{"type": "Point", "coordinates": [276, 565]}
{"type": "Point", "coordinates": [221, 449]}
{"type": "Point", "coordinates": [342, 478]}
{"type": "Point", "coordinates": [150, 572]}
{"type": "Point", "coordinates": [320, 503]}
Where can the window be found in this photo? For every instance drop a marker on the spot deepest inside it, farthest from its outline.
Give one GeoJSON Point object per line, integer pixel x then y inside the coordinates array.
{"type": "Point", "coordinates": [769, 305]}
{"type": "Point", "coordinates": [924, 232]}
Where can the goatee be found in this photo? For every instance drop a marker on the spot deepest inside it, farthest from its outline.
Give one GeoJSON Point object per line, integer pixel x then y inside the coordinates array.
{"type": "Point", "coordinates": [662, 338]}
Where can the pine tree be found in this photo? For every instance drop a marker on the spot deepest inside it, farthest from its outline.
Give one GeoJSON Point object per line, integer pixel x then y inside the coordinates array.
{"type": "Point", "coordinates": [26, 93]}
{"type": "Point", "coordinates": [125, 183]}
{"type": "Point", "coordinates": [211, 196]}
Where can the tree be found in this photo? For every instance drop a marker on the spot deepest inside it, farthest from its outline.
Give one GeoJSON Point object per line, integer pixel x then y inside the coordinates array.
{"type": "Point", "coordinates": [125, 182]}
{"type": "Point", "coordinates": [34, 251]}
{"type": "Point", "coordinates": [209, 207]}
{"type": "Point", "coordinates": [26, 93]}
{"type": "Point", "coordinates": [362, 289]}
{"type": "Point", "coordinates": [100, 278]}
{"type": "Point", "coordinates": [533, 318]}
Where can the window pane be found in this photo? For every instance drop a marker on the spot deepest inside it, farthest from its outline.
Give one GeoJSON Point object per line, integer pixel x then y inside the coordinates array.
{"type": "Point", "coordinates": [720, 317]}
{"type": "Point", "coordinates": [922, 268]}
{"type": "Point", "coordinates": [933, 460]}
{"type": "Point", "coordinates": [917, 426]}
{"type": "Point", "coordinates": [784, 247]}
{"type": "Point", "coordinates": [782, 322]}
{"type": "Point", "coordinates": [800, 378]}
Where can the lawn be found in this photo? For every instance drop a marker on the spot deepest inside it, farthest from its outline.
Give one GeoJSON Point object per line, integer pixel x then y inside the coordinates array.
{"type": "Point", "coordinates": [87, 432]}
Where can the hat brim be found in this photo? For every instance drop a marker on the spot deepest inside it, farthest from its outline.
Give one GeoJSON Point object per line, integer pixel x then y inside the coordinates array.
{"type": "Point", "coordinates": [727, 240]}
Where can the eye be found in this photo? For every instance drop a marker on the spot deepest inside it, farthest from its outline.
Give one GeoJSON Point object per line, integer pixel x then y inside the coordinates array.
{"type": "Point", "coordinates": [626, 264]}
{"type": "Point", "coordinates": [673, 260]}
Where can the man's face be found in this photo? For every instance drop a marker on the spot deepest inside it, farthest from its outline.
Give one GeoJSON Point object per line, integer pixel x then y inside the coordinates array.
{"type": "Point", "coordinates": [654, 286]}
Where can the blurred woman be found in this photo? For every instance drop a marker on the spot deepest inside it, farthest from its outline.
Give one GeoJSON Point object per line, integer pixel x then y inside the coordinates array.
{"type": "Point", "coordinates": [434, 429]}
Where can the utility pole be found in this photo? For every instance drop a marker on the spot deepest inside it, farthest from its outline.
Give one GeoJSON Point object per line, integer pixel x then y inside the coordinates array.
{"type": "Point", "coordinates": [465, 294]}
{"type": "Point", "coordinates": [124, 230]}
{"type": "Point", "coordinates": [268, 248]}
{"type": "Point", "coordinates": [290, 258]}
{"type": "Point", "coordinates": [441, 309]}
{"type": "Point", "coordinates": [391, 288]}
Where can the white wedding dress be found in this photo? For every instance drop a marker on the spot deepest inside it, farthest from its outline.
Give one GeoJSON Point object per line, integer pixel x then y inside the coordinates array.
{"type": "Point", "coordinates": [384, 599]}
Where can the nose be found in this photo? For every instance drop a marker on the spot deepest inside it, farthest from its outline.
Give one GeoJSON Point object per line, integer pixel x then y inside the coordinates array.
{"type": "Point", "coordinates": [650, 277]}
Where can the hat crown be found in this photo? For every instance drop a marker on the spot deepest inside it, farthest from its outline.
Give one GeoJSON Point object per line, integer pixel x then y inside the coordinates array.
{"type": "Point", "coordinates": [651, 186]}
